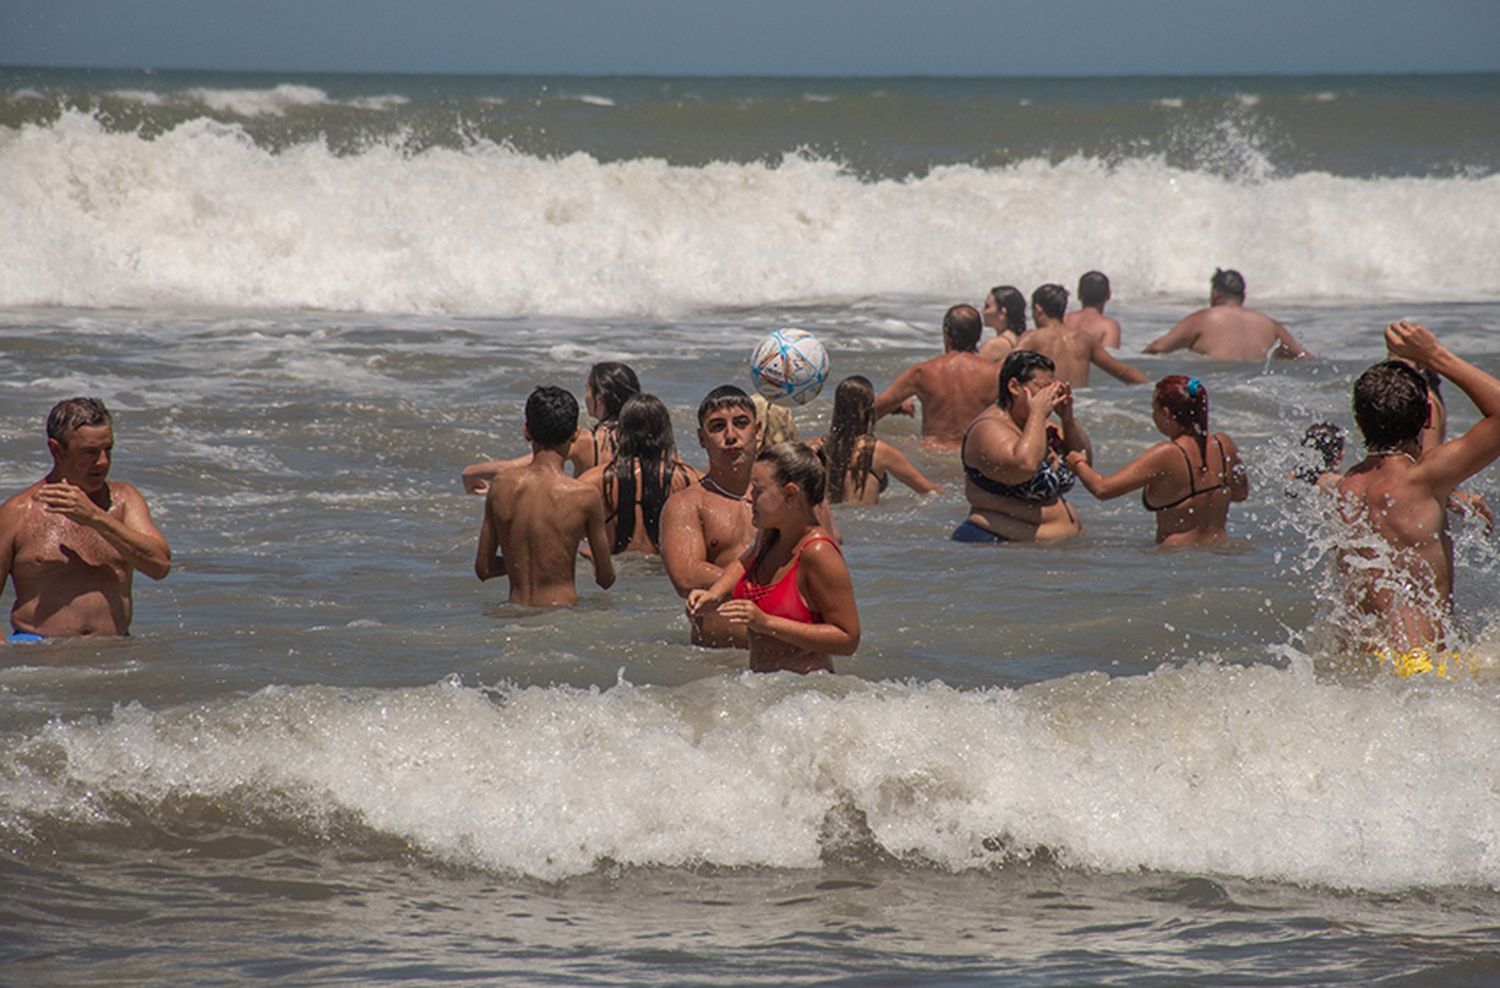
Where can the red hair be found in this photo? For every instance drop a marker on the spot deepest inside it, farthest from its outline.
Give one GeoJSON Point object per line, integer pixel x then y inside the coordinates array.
{"type": "Point", "coordinates": [1185, 400]}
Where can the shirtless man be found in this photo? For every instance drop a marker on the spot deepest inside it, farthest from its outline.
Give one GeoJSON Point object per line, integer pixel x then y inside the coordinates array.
{"type": "Point", "coordinates": [1069, 348]}
{"type": "Point", "coordinates": [1400, 493]}
{"type": "Point", "coordinates": [73, 539]}
{"type": "Point", "coordinates": [706, 526]}
{"type": "Point", "coordinates": [953, 388]}
{"type": "Point", "coordinates": [1226, 330]}
{"type": "Point", "coordinates": [536, 515]}
{"type": "Point", "coordinates": [1093, 292]}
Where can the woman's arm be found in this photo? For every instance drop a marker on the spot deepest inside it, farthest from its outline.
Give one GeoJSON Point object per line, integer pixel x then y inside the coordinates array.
{"type": "Point", "coordinates": [822, 578]}
{"type": "Point", "coordinates": [1153, 463]}
{"type": "Point", "coordinates": [888, 457]}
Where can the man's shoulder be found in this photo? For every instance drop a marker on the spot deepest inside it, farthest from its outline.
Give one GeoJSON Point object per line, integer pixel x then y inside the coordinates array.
{"type": "Point", "coordinates": [21, 501]}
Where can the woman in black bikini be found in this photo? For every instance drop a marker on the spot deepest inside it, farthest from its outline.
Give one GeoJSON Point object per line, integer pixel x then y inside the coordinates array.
{"type": "Point", "coordinates": [1189, 481]}
{"type": "Point", "coordinates": [644, 471]}
{"type": "Point", "coordinates": [856, 456]}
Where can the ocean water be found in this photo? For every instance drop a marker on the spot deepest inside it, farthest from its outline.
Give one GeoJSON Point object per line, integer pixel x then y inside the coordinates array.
{"type": "Point", "coordinates": [328, 754]}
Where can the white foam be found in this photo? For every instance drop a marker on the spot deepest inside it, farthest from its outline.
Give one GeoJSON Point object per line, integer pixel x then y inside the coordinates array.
{"type": "Point", "coordinates": [1256, 772]}
{"type": "Point", "coordinates": [1170, 102]}
{"type": "Point", "coordinates": [592, 100]}
{"type": "Point", "coordinates": [203, 216]}
{"type": "Point", "coordinates": [259, 102]}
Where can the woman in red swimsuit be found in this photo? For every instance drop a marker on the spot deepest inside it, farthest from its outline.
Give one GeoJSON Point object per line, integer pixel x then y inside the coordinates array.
{"type": "Point", "coordinates": [791, 589]}
{"type": "Point", "coordinates": [1189, 481]}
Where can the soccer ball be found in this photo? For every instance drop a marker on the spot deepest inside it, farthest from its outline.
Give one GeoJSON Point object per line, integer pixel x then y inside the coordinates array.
{"type": "Point", "coordinates": [789, 367]}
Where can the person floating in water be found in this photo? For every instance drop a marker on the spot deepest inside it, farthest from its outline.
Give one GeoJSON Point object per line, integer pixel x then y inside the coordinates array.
{"type": "Point", "coordinates": [72, 540]}
{"type": "Point", "coordinates": [1227, 330]}
{"type": "Point", "coordinates": [1187, 482]}
{"type": "Point", "coordinates": [790, 590]}
{"type": "Point", "coordinates": [1399, 494]}
{"type": "Point", "coordinates": [535, 515]}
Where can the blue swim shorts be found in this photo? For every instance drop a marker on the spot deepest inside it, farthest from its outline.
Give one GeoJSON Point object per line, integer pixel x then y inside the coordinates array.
{"type": "Point", "coordinates": [970, 532]}
{"type": "Point", "coordinates": [18, 637]}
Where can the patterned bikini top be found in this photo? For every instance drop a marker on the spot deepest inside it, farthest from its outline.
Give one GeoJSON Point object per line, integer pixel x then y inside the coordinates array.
{"type": "Point", "coordinates": [1051, 481]}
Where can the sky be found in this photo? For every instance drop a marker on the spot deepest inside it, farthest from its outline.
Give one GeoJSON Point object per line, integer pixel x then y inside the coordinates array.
{"type": "Point", "coordinates": [759, 37]}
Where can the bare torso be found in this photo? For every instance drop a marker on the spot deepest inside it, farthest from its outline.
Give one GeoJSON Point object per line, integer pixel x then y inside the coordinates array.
{"type": "Point", "coordinates": [1096, 324]}
{"type": "Point", "coordinates": [954, 388]}
{"type": "Point", "coordinates": [712, 531]}
{"type": "Point", "coordinates": [1067, 347]}
{"type": "Point", "coordinates": [1409, 585]}
{"type": "Point", "coordinates": [539, 518]}
{"type": "Point", "coordinates": [69, 580]}
{"type": "Point", "coordinates": [1191, 501]}
{"type": "Point", "coordinates": [1233, 332]}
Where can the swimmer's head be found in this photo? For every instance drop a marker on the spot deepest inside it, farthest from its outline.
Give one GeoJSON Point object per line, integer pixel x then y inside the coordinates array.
{"type": "Point", "coordinates": [1093, 289]}
{"type": "Point", "coordinates": [1022, 366]}
{"type": "Point", "coordinates": [551, 416]}
{"type": "Point", "coordinates": [1390, 404]}
{"type": "Point", "coordinates": [962, 327]}
{"type": "Point", "coordinates": [1050, 299]}
{"type": "Point", "coordinates": [611, 383]}
{"type": "Point", "coordinates": [645, 428]}
{"type": "Point", "coordinates": [853, 406]}
{"type": "Point", "coordinates": [72, 414]}
{"type": "Point", "coordinates": [1328, 440]}
{"type": "Point", "coordinates": [1228, 283]}
{"type": "Point", "coordinates": [724, 396]}
{"type": "Point", "coordinates": [800, 464]}
{"type": "Point", "coordinates": [1009, 300]}
{"type": "Point", "coordinates": [1185, 401]}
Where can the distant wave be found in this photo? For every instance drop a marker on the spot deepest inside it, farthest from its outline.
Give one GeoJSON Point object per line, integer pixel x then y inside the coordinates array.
{"type": "Point", "coordinates": [201, 215]}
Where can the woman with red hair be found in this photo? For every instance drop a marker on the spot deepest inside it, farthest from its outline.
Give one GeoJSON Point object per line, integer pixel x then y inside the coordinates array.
{"type": "Point", "coordinates": [1189, 481]}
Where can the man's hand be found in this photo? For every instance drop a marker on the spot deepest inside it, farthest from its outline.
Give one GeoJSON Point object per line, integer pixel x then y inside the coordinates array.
{"type": "Point", "coordinates": [70, 502]}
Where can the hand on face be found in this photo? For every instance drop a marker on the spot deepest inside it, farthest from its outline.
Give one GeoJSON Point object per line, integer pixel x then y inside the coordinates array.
{"type": "Point", "coordinates": [1048, 398]}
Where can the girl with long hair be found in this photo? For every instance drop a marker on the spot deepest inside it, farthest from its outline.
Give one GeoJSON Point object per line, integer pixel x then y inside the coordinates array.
{"type": "Point", "coordinates": [644, 471]}
{"type": "Point", "coordinates": [860, 465]}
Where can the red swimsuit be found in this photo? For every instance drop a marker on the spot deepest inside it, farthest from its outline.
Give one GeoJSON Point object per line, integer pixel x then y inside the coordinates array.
{"type": "Point", "coordinates": [780, 598]}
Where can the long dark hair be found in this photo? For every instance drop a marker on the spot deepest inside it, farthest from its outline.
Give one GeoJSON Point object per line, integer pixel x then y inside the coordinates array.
{"type": "Point", "coordinates": [646, 443]}
{"type": "Point", "coordinates": [612, 383]}
{"type": "Point", "coordinates": [847, 449]}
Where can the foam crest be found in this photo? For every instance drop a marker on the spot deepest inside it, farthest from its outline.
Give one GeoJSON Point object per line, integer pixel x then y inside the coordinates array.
{"type": "Point", "coordinates": [259, 102]}
{"type": "Point", "coordinates": [1256, 772]}
{"type": "Point", "coordinates": [203, 216]}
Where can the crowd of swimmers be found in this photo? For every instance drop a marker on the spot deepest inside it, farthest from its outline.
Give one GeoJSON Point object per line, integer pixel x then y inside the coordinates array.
{"type": "Point", "coordinates": [750, 542]}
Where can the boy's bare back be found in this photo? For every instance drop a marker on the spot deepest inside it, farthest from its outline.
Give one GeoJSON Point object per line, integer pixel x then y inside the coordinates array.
{"type": "Point", "coordinates": [536, 516]}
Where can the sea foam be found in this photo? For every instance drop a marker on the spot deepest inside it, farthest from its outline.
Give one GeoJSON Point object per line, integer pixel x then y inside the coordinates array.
{"type": "Point", "coordinates": [202, 215]}
{"type": "Point", "coordinates": [1256, 772]}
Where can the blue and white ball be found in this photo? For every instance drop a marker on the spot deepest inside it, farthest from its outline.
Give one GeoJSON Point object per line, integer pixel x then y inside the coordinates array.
{"type": "Point", "coordinates": [789, 367]}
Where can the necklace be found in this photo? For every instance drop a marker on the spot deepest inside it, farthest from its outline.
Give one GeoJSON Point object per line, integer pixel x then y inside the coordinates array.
{"type": "Point", "coordinates": [712, 485]}
{"type": "Point", "coordinates": [1389, 451]}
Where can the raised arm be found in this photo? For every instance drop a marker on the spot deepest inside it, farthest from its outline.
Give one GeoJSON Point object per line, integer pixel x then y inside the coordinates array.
{"type": "Point", "coordinates": [1448, 465]}
{"type": "Point", "coordinates": [133, 534]}
{"type": "Point", "coordinates": [1153, 463]}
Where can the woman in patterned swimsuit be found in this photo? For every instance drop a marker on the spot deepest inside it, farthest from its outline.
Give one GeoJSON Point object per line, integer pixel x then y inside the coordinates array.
{"type": "Point", "coordinates": [1189, 481]}
{"type": "Point", "coordinates": [791, 589]}
{"type": "Point", "coordinates": [1012, 454]}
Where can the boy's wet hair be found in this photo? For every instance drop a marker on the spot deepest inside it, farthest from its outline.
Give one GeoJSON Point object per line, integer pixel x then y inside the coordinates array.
{"type": "Point", "coordinates": [1051, 299]}
{"type": "Point", "coordinates": [1093, 288]}
{"type": "Point", "coordinates": [1390, 404]}
{"type": "Point", "coordinates": [724, 396]}
{"type": "Point", "coordinates": [551, 415]}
